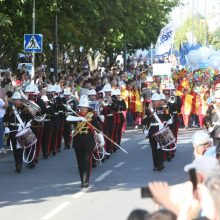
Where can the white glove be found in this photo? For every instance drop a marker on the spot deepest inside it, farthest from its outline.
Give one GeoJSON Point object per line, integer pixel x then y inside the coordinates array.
{"type": "Point", "coordinates": [7, 130]}
{"type": "Point", "coordinates": [210, 129]}
{"type": "Point", "coordinates": [28, 125]}
{"type": "Point", "coordinates": [68, 107]}
{"type": "Point", "coordinates": [82, 118]}
{"type": "Point", "coordinates": [102, 118]}
{"type": "Point", "coordinates": [20, 128]}
{"type": "Point", "coordinates": [75, 118]}
{"type": "Point", "coordinates": [146, 132]}
{"type": "Point", "coordinates": [170, 121]}
{"type": "Point", "coordinates": [161, 126]}
{"type": "Point", "coordinates": [101, 138]}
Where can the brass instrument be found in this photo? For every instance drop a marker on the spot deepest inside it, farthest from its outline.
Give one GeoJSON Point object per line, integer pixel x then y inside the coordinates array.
{"type": "Point", "coordinates": [172, 99]}
{"type": "Point", "coordinates": [106, 101]}
{"type": "Point", "coordinates": [32, 107]}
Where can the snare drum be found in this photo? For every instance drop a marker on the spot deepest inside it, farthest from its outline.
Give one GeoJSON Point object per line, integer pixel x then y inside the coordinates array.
{"type": "Point", "coordinates": [165, 138]}
{"type": "Point", "coordinates": [26, 138]}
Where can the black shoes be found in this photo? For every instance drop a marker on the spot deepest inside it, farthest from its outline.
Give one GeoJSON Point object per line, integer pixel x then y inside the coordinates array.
{"type": "Point", "coordinates": [168, 158]}
{"type": "Point", "coordinates": [159, 168]}
{"type": "Point", "coordinates": [94, 165]}
{"type": "Point", "coordinates": [18, 169]}
{"type": "Point", "coordinates": [85, 185]}
{"type": "Point", "coordinates": [67, 147]}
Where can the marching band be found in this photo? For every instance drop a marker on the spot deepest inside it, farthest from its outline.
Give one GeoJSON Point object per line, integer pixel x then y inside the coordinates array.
{"type": "Point", "coordinates": [38, 121]}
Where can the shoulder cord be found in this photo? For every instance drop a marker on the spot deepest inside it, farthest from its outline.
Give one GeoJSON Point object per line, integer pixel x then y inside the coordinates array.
{"type": "Point", "coordinates": [82, 124]}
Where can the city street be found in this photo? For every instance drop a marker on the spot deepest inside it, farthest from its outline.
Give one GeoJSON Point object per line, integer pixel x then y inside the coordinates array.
{"type": "Point", "coordinates": [52, 190]}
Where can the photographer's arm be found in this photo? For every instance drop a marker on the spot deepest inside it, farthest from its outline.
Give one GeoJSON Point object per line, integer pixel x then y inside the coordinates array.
{"type": "Point", "coordinates": [161, 195]}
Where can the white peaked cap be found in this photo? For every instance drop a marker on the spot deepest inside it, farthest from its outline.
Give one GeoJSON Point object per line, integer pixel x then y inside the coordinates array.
{"type": "Point", "coordinates": [45, 98]}
{"type": "Point", "coordinates": [107, 88]}
{"type": "Point", "coordinates": [118, 92]}
{"type": "Point", "coordinates": [92, 92]}
{"type": "Point", "coordinates": [113, 92]}
{"type": "Point", "coordinates": [162, 96]}
{"type": "Point", "coordinates": [155, 97]}
{"type": "Point", "coordinates": [84, 102]}
{"type": "Point", "coordinates": [16, 95]}
{"type": "Point", "coordinates": [57, 89]}
{"type": "Point", "coordinates": [67, 92]}
{"type": "Point", "coordinates": [170, 86]}
{"type": "Point", "coordinates": [51, 88]}
{"type": "Point", "coordinates": [30, 88]}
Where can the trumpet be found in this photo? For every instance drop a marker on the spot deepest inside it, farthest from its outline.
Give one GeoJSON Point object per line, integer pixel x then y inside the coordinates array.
{"type": "Point", "coordinates": [172, 99]}
{"type": "Point", "coordinates": [106, 101]}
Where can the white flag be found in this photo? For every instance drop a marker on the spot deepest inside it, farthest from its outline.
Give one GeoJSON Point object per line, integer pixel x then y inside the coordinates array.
{"type": "Point", "coordinates": [165, 39]}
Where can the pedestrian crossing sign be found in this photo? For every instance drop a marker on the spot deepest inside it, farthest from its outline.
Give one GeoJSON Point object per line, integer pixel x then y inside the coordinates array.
{"type": "Point", "coordinates": [33, 43]}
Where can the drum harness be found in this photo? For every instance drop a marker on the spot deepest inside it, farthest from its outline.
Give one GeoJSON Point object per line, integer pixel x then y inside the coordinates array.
{"type": "Point", "coordinates": [26, 160]}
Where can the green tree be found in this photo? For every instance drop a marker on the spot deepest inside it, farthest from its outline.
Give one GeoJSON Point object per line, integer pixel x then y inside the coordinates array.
{"type": "Point", "coordinates": [215, 39]}
{"type": "Point", "coordinates": [196, 26]}
{"type": "Point", "coordinates": [94, 24]}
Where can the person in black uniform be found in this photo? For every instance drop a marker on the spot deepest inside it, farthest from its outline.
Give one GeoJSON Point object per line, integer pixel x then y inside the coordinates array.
{"type": "Point", "coordinates": [108, 125]}
{"type": "Point", "coordinates": [15, 125]}
{"type": "Point", "coordinates": [67, 126]}
{"type": "Point", "coordinates": [153, 127]}
{"type": "Point", "coordinates": [83, 139]}
{"type": "Point", "coordinates": [48, 125]}
{"type": "Point", "coordinates": [121, 106]}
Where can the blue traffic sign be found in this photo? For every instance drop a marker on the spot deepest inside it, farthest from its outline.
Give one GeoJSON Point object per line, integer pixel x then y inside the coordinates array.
{"type": "Point", "coordinates": [33, 43]}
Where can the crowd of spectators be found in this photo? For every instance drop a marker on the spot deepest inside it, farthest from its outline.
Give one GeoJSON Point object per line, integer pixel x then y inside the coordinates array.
{"type": "Point", "coordinates": [196, 198]}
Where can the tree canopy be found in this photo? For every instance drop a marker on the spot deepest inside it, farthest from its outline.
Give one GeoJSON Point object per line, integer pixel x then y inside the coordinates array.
{"type": "Point", "coordinates": [98, 24]}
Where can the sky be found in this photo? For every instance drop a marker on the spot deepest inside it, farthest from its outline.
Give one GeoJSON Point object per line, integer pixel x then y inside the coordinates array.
{"type": "Point", "coordinates": [192, 7]}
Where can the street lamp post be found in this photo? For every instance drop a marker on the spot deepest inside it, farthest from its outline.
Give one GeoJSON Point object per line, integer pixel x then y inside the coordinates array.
{"type": "Point", "coordinates": [33, 32]}
{"type": "Point", "coordinates": [55, 47]}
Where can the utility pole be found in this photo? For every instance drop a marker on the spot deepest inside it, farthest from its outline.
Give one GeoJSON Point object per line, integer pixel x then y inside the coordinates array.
{"type": "Point", "coordinates": [206, 38]}
{"type": "Point", "coordinates": [125, 55]}
{"type": "Point", "coordinates": [55, 47]}
{"type": "Point", "coordinates": [33, 32]}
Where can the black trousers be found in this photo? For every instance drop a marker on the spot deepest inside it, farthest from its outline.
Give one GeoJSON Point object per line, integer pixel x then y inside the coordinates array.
{"type": "Point", "coordinates": [66, 133]}
{"type": "Point", "coordinates": [119, 128]}
{"type": "Point", "coordinates": [83, 146]}
{"type": "Point", "coordinates": [157, 154]}
{"type": "Point", "coordinates": [18, 153]}
{"type": "Point", "coordinates": [46, 138]}
{"type": "Point", "coordinates": [108, 130]}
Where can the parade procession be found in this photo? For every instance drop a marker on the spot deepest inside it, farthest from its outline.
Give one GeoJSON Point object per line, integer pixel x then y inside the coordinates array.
{"type": "Point", "coordinates": [110, 110]}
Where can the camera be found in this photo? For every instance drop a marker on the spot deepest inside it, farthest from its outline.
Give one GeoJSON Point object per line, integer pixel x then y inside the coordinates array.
{"type": "Point", "coordinates": [193, 178]}
{"type": "Point", "coordinates": [145, 192]}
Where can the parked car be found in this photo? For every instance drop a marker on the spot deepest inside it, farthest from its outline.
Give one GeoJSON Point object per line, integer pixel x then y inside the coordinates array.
{"type": "Point", "coordinates": [28, 67]}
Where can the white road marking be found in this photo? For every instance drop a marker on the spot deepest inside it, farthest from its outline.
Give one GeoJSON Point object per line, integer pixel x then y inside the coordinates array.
{"type": "Point", "coordinates": [119, 164]}
{"type": "Point", "coordinates": [77, 195]}
{"type": "Point", "coordinates": [102, 176]}
{"type": "Point", "coordinates": [145, 141]}
{"type": "Point", "coordinates": [56, 210]}
{"type": "Point", "coordinates": [80, 193]}
{"type": "Point", "coordinates": [123, 140]}
{"type": "Point", "coordinates": [144, 147]}
{"type": "Point", "coordinates": [183, 141]}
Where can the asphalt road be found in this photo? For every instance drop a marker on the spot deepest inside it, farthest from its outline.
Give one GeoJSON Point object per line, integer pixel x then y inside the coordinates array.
{"type": "Point", "coordinates": [52, 190]}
